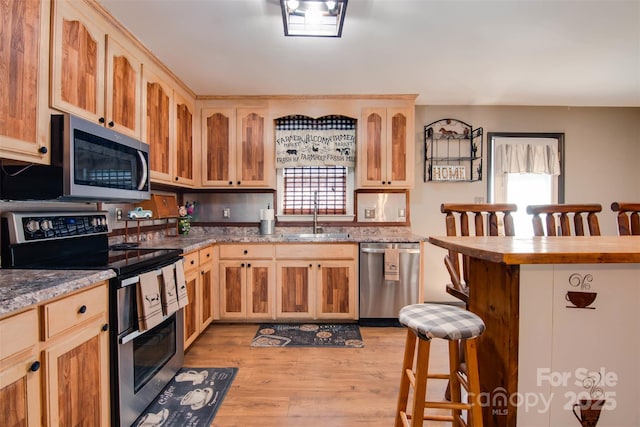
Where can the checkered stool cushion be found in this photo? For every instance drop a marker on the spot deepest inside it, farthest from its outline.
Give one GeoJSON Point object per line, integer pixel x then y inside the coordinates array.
{"type": "Point", "coordinates": [441, 321]}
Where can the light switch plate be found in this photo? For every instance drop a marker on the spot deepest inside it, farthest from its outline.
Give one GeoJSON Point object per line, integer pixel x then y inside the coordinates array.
{"type": "Point", "coordinates": [226, 213]}
{"type": "Point", "coordinates": [369, 213]}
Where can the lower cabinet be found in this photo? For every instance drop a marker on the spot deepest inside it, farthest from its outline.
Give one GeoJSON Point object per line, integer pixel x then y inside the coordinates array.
{"type": "Point", "coordinates": [322, 289]}
{"type": "Point", "coordinates": [20, 373]}
{"type": "Point", "coordinates": [202, 290]}
{"type": "Point", "coordinates": [288, 281]}
{"type": "Point", "coordinates": [68, 366]}
{"type": "Point", "coordinates": [247, 282]}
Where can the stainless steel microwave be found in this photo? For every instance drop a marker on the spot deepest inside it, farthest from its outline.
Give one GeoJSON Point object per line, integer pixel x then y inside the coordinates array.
{"type": "Point", "coordinates": [89, 162]}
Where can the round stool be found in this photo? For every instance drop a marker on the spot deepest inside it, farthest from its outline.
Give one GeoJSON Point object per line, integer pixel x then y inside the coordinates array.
{"type": "Point", "coordinates": [461, 328]}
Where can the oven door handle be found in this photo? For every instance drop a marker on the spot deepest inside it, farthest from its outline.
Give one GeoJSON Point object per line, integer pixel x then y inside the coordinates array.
{"type": "Point", "coordinates": [135, 334]}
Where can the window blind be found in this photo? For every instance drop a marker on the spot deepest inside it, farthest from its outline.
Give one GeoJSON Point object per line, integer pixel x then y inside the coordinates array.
{"type": "Point", "coordinates": [302, 183]}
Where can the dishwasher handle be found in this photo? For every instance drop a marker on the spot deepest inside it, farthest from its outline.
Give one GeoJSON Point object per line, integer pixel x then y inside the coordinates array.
{"type": "Point", "coordinates": [381, 251]}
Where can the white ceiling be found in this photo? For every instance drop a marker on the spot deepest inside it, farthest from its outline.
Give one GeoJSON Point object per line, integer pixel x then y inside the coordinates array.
{"type": "Point", "coordinates": [449, 52]}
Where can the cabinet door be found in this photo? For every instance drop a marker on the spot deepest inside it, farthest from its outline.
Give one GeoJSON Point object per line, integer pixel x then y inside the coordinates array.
{"type": "Point", "coordinates": [374, 125]}
{"type": "Point", "coordinates": [336, 289]}
{"type": "Point", "coordinates": [20, 394]}
{"type": "Point", "coordinates": [184, 156]}
{"type": "Point", "coordinates": [295, 290]}
{"type": "Point", "coordinates": [24, 112]}
{"type": "Point", "coordinates": [218, 147]}
{"type": "Point", "coordinates": [78, 61]}
{"type": "Point", "coordinates": [207, 294]}
{"type": "Point", "coordinates": [400, 153]}
{"type": "Point", "coordinates": [255, 149]}
{"type": "Point", "coordinates": [191, 310]}
{"type": "Point", "coordinates": [260, 289]}
{"type": "Point", "coordinates": [157, 125]}
{"type": "Point", "coordinates": [77, 382]}
{"type": "Point", "coordinates": [387, 147]}
{"type": "Point", "coordinates": [233, 277]}
{"type": "Point", "coordinates": [123, 89]}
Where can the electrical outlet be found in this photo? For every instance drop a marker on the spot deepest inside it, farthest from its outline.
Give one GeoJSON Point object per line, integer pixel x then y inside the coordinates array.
{"type": "Point", "coordinates": [226, 213]}
{"type": "Point", "coordinates": [118, 214]}
{"type": "Point", "coordinates": [402, 213]}
{"type": "Point", "coordinates": [478, 199]}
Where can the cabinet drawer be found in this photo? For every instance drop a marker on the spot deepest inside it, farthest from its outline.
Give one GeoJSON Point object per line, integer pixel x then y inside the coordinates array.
{"type": "Point", "coordinates": [206, 255]}
{"type": "Point", "coordinates": [73, 310]}
{"type": "Point", "coordinates": [191, 260]}
{"type": "Point", "coordinates": [317, 251]}
{"type": "Point", "coordinates": [18, 333]}
{"type": "Point", "coordinates": [246, 251]}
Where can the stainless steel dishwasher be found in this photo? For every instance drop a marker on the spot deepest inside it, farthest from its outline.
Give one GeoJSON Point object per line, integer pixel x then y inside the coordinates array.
{"type": "Point", "coordinates": [380, 299]}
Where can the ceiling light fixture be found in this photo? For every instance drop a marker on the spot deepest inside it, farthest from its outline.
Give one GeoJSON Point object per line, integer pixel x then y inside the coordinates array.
{"type": "Point", "coordinates": [313, 18]}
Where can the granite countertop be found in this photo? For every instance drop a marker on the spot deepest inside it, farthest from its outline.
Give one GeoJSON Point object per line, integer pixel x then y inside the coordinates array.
{"type": "Point", "coordinates": [20, 289]}
{"type": "Point", "coordinates": [200, 237]}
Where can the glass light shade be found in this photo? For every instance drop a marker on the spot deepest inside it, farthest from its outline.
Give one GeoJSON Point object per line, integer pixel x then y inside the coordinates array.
{"type": "Point", "coordinates": [313, 18]}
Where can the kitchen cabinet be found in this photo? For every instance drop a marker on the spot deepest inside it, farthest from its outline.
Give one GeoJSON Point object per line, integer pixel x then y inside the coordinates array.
{"type": "Point", "coordinates": [60, 351]}
{"type": "Point", "coordinates": [168, 129]}
{"type": "Point", "coordinates": [237, 148]}
{"type": "Point", "coordinates": [95, 72]}
{"type": "Point", "coordinates": [247, 282]}
{"type": "Point", "coordinates": [20, 370]}
{"type": "Point", "coordinates": [316, 281]}
{"type": "Point", "coordinates": [76, 358]}
{"type": "Point", "coordinates": [386, 147]}
{"type": "Point", "coordinates": [201, 291]}
{"type": "Point", "coordinates": [24, 113]}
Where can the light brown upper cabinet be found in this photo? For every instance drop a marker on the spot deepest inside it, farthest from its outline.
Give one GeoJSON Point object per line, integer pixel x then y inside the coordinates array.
{"type": "Point", "coordinates": [94, 74]}
{"type": "Point", "coordinates": [237, 148]}
{"type": "Point", "coordinates": [168, 129]}
{"type": "Point", "coordinates": [386, 150]}
{"type": "Point", "coordinates": [184, 172]}
{"type": "Point", "coordinates": [24, 78]}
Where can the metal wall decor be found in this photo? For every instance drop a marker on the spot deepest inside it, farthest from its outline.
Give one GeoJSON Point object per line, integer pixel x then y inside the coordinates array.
{"type": "Point", "coordinates": [453, 151]}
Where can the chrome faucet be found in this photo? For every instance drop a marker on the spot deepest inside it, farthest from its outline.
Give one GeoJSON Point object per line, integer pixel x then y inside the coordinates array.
{"type": "Point", "coordinates": [316, 229]}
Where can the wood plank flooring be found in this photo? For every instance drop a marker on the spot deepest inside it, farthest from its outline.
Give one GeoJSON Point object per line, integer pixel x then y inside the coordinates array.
{"type": "Point", "coordinates": [310, 387]}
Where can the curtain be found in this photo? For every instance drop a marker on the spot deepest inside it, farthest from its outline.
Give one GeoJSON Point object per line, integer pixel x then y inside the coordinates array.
{"type": "Point", "coordinates": [527, 155]}
{"type": "Point", "coordinates": [325, 141]}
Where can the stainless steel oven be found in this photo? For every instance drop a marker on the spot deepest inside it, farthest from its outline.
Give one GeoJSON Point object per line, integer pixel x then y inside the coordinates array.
{"type": "Point", "coordinates": [142, 362]}
{"type": "Point", "coordinates": [145, 360]}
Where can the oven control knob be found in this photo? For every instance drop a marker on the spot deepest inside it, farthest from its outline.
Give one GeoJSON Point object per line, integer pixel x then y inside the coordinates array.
{"type": "Point", "coordinates": [103, 221]}
{"type": "Point", "coordinates": [94, 222]}
{"type": "Point", "coordinates": [32, 226]}
{"type": "Point", "coordinates": [45, 224]}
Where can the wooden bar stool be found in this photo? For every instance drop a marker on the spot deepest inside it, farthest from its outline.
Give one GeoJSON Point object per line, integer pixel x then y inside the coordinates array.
{"type": "Point", "coordinates": [458, 326]}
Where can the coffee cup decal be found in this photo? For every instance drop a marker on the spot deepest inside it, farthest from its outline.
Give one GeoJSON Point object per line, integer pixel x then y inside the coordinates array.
{"type": "Point", "coordinates": [195, 377]}
{"type": "Point", "coordinates": [580, 298]}
{"type": "Point", "coordinates": [587, 411]}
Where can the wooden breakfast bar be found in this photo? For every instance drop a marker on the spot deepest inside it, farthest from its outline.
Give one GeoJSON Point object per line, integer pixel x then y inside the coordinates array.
{"type": "Point", "coordinates": [563, 325]}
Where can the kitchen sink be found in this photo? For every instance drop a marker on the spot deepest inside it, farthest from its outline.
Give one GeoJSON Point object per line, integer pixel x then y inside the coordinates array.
{"type": "Point", "coordinates": [314, 237]}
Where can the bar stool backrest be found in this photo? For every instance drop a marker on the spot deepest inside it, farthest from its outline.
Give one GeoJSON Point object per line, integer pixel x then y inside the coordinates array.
{"type": "Point", "coordinates": [563, 212]}
{"type": "Point", "coordinates": [500, 222]}
{"type": "Point", "coordinates": [628, 218]}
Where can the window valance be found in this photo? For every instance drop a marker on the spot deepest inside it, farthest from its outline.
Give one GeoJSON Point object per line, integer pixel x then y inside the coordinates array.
{"type": "Point", "coordinates": [527, 155]}
{"type": "Point", "coordinates": [306, 141]}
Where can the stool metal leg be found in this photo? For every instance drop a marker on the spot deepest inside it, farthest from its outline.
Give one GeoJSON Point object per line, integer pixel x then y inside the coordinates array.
{"type": "Point", "coordinates": [407, 367]}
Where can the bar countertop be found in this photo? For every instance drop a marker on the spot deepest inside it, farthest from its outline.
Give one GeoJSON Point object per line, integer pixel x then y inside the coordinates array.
{"type": "Point", "coordinates": [545, 250]}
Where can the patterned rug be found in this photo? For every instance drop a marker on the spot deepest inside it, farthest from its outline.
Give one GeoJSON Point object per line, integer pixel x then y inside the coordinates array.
{"type": "Point", "coordinates": [308, 335]}
{"type": "Point", "coordinates": [191, 398]}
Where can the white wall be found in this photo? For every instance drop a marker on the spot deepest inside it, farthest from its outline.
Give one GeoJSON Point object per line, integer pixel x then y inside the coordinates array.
{"type": "Point", "coordinates": [602, 155]}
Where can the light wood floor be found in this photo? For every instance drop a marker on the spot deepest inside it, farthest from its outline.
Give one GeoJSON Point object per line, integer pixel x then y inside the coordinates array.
{"type": "Point", "coordinates": [310, 387]}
